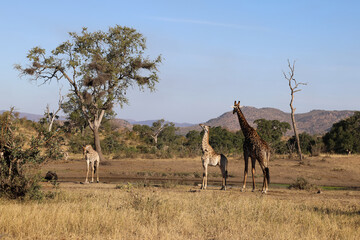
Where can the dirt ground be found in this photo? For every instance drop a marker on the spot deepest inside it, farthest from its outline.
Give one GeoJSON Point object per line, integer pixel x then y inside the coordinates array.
{"type": "Point", "coordinates": [326, 170]}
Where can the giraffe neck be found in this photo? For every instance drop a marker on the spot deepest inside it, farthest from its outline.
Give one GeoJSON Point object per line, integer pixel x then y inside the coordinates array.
{"type": "Point", "coordinates": [245, 127]}
{"type": "Point", "coordinates": [205, 143]}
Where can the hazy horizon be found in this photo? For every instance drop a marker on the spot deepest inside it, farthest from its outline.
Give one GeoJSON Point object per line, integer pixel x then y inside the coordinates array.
{"type": "Point", "coordinates": [186, 122]}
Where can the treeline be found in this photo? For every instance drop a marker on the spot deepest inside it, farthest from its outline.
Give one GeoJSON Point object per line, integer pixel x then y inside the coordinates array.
{"type": "Point", "coordinates": [162, 141]}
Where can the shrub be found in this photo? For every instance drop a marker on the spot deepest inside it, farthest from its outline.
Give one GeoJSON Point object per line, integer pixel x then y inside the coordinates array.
{"type": "Point", "coordinates": [302, 184]}
{"type": "Point", "coordinates": [15, 182]}
{"type": "Point", "coordinates": [111, 143]}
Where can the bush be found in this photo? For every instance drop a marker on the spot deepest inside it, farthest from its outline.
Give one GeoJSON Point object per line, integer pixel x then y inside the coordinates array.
{"type": "Point", "coordinates": [111, 143]}
{"type": "Point", "coordinates": [15, 182]}
{"type": "Point", "coordinates": [302, 184]}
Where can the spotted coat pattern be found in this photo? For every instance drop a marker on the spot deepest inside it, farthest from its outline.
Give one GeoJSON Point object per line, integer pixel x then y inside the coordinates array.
{"type": "Point", "coordinates": [255, 148]}
{"type": "Point", "coordinates": [91, 157]}
{"type": "Point", "coordinates": [211, 158]}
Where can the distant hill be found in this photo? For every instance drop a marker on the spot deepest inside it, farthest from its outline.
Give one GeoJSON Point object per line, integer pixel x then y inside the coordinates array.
{"type": "Point", "coordinates": [150, 122]}
{"type": "Point", "coordinates": [121, 124]}
{"type": "Point", "coordinates": [32, 117]}
{"type": "Point", "coordinates": [313, 122]}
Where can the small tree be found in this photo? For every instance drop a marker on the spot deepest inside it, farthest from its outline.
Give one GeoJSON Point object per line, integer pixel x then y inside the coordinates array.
{"type": "Point", "coordinates": [15, 159]}
{"type": "Point", "coordinates": [156, 128]}
{"type": "Point", "coordinates": [272, 131]}
{"type": "Point", "coordinates": [99, 66]}
{"type": "Point", "coordinates": [294, 88]}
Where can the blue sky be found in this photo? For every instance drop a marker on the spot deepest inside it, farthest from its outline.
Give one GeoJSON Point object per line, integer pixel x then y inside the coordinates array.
{"type": "Point", "coordinates": [214, 52]}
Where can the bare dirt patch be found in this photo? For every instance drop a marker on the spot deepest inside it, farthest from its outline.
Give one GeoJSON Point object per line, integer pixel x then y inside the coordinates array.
{"type": "Point", "coordinates": [330, 170]}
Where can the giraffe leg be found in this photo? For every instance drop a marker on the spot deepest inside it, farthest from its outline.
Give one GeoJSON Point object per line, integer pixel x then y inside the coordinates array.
{"type": "Point", "coordinates": [204, 180]}
{"type": "Point", "coordinates": [87, 172]}
{"type": "Point", "coordinates": [97, 171]}
{"type": "Point", "coordinates": [223, 168]}
{"type": "Point", "coordinates": [246, 159]}
{"type": "Point", "coordinates": [92, 172]}
{"type": "Point", "coordinates": [264, 187]}
{"type": "Point", "coordinates": [253, 172]}
{"type": "Point", "coordinates": [265, 182]}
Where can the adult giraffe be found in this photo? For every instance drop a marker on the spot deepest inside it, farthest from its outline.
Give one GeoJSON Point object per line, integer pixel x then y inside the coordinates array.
{"type": "Point", "coordinates": [255, 148]}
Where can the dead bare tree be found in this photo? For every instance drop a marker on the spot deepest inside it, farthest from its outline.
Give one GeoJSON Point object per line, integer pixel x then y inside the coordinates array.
{"type": "Point", "coordinates": [294, 87]}
{"type": "Point", "coordinates": [51, 116]}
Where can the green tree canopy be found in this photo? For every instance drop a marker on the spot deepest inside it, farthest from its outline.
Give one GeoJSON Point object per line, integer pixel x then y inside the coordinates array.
{"type": "Point", "coordinates": [99, 66]}
{"type": "Point", "coordinates": [344, 136]}
{"type": "Point", "coordinates": [271, 130]}
{"type": "Point", "coordinates": [306, 142]}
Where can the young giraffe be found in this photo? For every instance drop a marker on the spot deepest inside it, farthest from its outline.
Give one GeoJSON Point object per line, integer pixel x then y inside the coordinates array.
{"type": "Point", "coordinates": [91, 157]}
{"type": "Point", "coordinates": [255, 148]}
{"type": "Point", "coordinates": [210, 157]}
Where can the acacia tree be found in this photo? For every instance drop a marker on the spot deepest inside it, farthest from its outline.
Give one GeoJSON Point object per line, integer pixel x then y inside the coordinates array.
{"type": "Point", "coordinates": [99, 66]}
{"type": "Point", "coordinates": [156, 128]}
{"type": "Point", "coordinates": [271, 130]}
{"type": "Point", "coordinates": [294, 88]}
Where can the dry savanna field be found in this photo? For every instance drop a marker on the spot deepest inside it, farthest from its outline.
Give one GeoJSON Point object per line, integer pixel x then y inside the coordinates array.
{"type": "Point", "coordinates": [161, 199]}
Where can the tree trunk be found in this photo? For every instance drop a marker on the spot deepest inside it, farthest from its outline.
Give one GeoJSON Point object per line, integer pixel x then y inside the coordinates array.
{"type": "Point", "coordinates": [155, 139]}
{"type": "Point", "coordinates": [295, 128]}
{"type": "Point", "coordinates": [97, 143]}
{"type": "Point", "coordinates": [94, 126]}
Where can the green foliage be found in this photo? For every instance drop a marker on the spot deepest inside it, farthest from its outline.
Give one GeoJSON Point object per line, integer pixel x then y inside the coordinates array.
{"type": "Point", "coordinates": [77, 141]}
{"type": "Point", "coordinates": [226, 142]}
{"type": "Point", "coordinates": [99, 67]}
{"type": "Point", "coordinates": [144, 132]}
{"type": "Point", "coordinates": [272, 131]}
{"type": "Point", "coordinates": [111, 143]}
{"type": "Point", "coordinates": [193, 143]}
{"type": "Point", "coordinates": [15, 182]}
{"type": "Point", "coordinates": [76, 120]}
{"type": "Point", "coordinates": [344, 136]}
{"type": "Point", "coordinates": [306, 142]}
{"type": "Point", "coordinates": [168, 136]}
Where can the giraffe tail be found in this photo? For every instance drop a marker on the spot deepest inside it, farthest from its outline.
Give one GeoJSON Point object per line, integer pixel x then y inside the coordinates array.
{"type": "Point", "coordinates": [267, 172]}
{"type": "Point", "coordinates": [94, 169]}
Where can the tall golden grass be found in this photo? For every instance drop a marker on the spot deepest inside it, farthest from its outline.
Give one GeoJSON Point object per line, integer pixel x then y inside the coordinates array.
{"type": "Point", "coordinates": [96, 212]}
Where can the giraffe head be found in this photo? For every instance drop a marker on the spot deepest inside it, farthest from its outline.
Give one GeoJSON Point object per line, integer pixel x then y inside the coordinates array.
{"type": "Point", "coordinates": [206, 128]}
{"type": "Point", "coordinates": [86, 148]}
{"type": "Point", "coordinates": [236, 106]}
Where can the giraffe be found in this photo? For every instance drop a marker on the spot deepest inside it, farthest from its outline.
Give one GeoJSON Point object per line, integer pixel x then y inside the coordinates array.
{"type": "Point", "coordinates": [210, 157]}
{"type": "Point", "coordinates": [255, 148]}
{"type": "Point", "coordinates": [91, 157]}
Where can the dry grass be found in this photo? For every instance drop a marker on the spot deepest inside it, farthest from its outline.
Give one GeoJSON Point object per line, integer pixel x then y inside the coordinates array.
{"type": "Point", "coordinates": [104, 211]}
{"type": "Point", "coordinates": [132, 211]}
